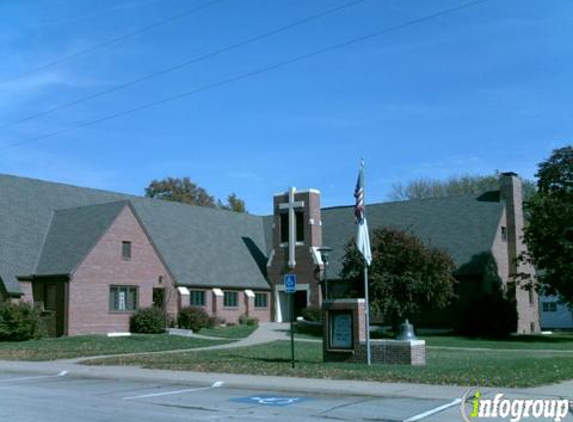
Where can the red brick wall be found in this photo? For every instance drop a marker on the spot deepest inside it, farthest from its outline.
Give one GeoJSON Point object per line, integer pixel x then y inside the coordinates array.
{"type": "Point", "coordinates": [263, 314]}
{"type": "Point", "coordinates": [232, 314]}
{"type": "Point", "coordinates": [88, 310]}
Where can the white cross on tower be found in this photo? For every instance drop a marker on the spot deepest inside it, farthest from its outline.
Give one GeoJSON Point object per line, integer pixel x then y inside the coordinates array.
{"type": "Point", "coordinates": [291, 205]}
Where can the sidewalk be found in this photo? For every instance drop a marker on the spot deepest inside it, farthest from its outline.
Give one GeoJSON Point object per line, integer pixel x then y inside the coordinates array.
{"type": "Point", "coordinates": [265, 334]}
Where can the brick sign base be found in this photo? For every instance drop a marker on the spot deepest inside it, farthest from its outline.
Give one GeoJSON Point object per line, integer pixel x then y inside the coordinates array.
{"type": "Point", "coordinates": [403, 352]}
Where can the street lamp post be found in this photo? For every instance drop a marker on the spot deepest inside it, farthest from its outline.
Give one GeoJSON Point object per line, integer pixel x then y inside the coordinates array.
{"type": "Point", "coordinates": [324, 255]}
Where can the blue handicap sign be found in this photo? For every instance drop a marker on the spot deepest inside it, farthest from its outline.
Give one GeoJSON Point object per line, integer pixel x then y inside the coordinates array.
{"type": "Point", "coordinates": [290, 283]}
{"type": "Point", "coordinates": [268, 400]}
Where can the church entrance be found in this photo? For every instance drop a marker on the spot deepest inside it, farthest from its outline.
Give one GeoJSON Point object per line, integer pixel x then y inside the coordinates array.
{"type": "Point", "coordinates": [300, 298]}
{"type": "Point", "coordinates": [50, 296]}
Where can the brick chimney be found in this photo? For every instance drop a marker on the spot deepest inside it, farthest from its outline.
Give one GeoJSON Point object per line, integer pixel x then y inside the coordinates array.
{"type": "Point", "coordinates": [527, 302]}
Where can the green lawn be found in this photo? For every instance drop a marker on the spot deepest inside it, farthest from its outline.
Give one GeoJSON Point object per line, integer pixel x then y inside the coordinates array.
{"type": "Point", "coordinates": [229, 332]}
{"type": "Point", "coordinates": [72, 347]}
{"type": "Point", "coordinates": [528, 342]}
{"type": "Point", "coordinates": [561, 341]}
{"type": "Point", "coordinates": [444, 366]}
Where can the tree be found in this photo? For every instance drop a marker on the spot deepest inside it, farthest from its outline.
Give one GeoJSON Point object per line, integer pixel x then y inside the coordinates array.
{"type": "Point", "coordinates": [234, 203]}
{"type": "Point", "coordinates": [454, 186]}
{"type": "Point", "coordinates": [549, 232]}
{"type": "Point", "coordinates": [187, 192]}
{"type": "Point", "coordinates": [179, 190]}
{"type": "Point", "coordinates": [405, 275]}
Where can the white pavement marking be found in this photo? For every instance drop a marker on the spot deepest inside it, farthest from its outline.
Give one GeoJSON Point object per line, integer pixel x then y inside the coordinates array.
{"type": "Point", "coordinates": [61, 374]}
{"type": "Point", "coordinates": [433, 411]}
{"type": "Point", "coordinates": [168, 393]}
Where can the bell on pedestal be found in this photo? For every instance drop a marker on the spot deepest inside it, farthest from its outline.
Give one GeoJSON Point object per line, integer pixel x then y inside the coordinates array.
{"type": "Point", "coordinates": [406, 332]}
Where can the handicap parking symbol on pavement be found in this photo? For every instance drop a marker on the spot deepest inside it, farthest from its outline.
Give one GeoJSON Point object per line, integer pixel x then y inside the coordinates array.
{"type": "Point", "coordinates": [268, 400]}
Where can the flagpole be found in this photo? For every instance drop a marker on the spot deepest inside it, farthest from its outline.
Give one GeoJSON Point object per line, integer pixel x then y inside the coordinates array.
{"type": "Point", "coordinates": [367, 313]}
{"type": "Point", "coordinates": [366, 295]}
{"type": "Point", "coordinates": [363, 245]}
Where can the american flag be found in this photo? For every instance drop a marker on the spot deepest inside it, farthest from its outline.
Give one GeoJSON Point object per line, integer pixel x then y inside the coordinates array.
{"type": "Point", "coordinates": [359, 196]}
{"type": "Point", "coordinates": [362, 236]}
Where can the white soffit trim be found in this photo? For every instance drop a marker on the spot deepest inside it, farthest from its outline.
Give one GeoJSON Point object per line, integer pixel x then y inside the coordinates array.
{"type": "Point", "coordinates": [316, 257]}
{"type": "Point", "coordinates": [249, 293]}
{"type": "Point", "coordinates": [183, 291]}
{"type": "Point", "coordinates": [217, 292]}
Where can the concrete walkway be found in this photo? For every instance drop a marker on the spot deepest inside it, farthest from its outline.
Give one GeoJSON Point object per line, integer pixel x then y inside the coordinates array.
{"type": "Point", "coordinates": [265, 333]}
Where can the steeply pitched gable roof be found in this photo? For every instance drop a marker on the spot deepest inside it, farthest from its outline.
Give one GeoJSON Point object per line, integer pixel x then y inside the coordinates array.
{"type": "Point", "coordinates": [72, 234]}
{"type": "Point", "coordinates": [201, 246]}
{"type": "Point", "coordinates": [26, 207]}
{"type": "Point", "coordinates": [463, 226]}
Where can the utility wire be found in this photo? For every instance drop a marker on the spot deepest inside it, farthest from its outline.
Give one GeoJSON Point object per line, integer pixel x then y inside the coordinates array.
{"type": "Point", "coordinates": [185, 63]}
{"type": "Point", "coordinates": [111, 41]}
{"type": "Point", "coordinates": [250, 74]}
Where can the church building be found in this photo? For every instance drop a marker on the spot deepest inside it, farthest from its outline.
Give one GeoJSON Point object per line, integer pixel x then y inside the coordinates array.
{"type": "Point", "coordinates": [91, 258]}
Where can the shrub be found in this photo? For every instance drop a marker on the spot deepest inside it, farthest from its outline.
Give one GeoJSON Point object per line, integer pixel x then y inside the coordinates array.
{"type": "Point", "coordinates": [192, 318]}
{"type": "Point", "coordinates": [247, 320]}
{"type": "Point", "coordinates": [487, 316]}
{"type": "Point", "coordinates": [253, 322]}
{"type": "Point", "coordinates": [148, 321]}
{"type": "Point", "coordinates": [19, 322]}
{"type": "Point", "coordinates": [312, 314]}
{"type": "Point", "coordinates": [215, 321]}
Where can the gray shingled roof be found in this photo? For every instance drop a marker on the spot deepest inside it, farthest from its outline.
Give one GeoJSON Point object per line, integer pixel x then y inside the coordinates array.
{"type": "Point", "coordinates": [463, 226]}
{"type": "Point", "coordinates": [207, 247]}
{"type": "Point", "coordinates": [26, 207]}
{"type": "Point", "coordinates": [201, 246]}
{"type": "Point", "coordinates": [73, 233]}
{"type": "Point", "coordinates": [46, 228]}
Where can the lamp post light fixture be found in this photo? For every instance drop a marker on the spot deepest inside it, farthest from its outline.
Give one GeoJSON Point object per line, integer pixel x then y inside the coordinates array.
{"type": "Point", "coordinates": [324, 255]}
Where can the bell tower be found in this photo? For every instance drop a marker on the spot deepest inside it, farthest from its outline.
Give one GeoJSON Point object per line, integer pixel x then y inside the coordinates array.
{"type": "Point", "coordinates": [297, 235]}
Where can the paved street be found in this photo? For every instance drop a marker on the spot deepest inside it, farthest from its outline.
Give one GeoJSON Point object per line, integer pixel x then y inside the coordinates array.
{"type": "Point", "coordinates": [68, 391]}
{"type": "Point", "coordinates": [72, 398]}
{"type": "Point", "coordinates": [61, 396]}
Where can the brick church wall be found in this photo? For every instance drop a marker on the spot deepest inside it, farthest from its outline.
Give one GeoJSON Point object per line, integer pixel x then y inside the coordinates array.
{"type": "Point", "coordinates": [306, 266]}
{"type": "Point", "coordinates": [89, 289]}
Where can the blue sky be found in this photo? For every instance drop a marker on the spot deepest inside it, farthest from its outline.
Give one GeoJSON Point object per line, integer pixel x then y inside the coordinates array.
{"type": "Point", "coordinates": [485, 88]}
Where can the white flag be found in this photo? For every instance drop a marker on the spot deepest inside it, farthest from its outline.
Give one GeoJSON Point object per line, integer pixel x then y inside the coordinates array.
{"type": "Point", "coordinates": [362, 237]}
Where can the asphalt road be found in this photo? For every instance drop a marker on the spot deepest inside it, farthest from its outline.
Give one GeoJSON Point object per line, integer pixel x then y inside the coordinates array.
{"type": "Point", "coordinates": [29, 397]}
{"type": "Point", "coordinates": [67, 397]}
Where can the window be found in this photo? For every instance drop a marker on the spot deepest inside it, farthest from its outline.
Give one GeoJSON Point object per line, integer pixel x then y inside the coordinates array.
{"type": "Point", "coordinates": [261, 300]}
{"type": "Point", "coordinates": [197, 297]}
{"type": "Point", "coordinates": [504, 234]}
{"type": "Point", "coordinates": [230, 299]}
{"type": "Point", "coordinates": [126, 250]}
{"type": "Point", "coordinates": [299, 216]}
{"type": "Point", "coordinates": [549, 306]}
{"type": "Point", "coordinates": [158, 297]}
{"type": "Point", "coordinates": [122, 298]}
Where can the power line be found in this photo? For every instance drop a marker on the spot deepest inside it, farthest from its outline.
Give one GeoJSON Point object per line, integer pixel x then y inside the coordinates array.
{"type": "Point", "coordinates": [250, 74]}
{"type": "Point", "coordinates": [184, 64]}
{"type": "Point", "coordinates": [111, 41]}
